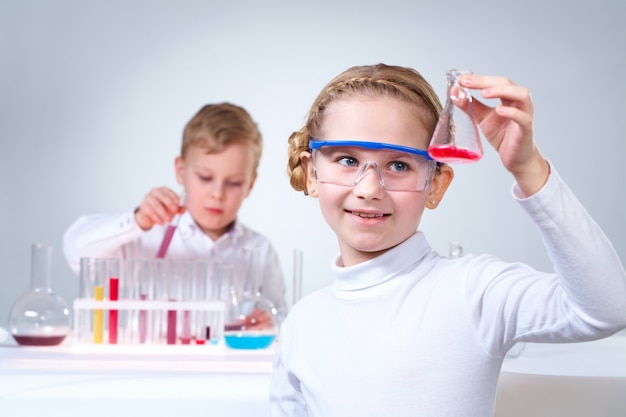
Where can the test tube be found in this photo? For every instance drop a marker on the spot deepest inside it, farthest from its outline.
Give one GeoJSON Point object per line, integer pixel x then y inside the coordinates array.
{"type": "Point", "coordinates": [84, 317]}
{"type": "Point", "coordinates": [114, 281]}
{"type": "Point", "coordinates": [100, 266]}
{"type": "Point", "coordinates": [98, 315]}
{"type": "Point", "coordinates": [225, 292]}
{"type": "Point", "coordinates": [169, 231]}
{"type": "Point", "coordinates": [173, 294]}
{"type": "Point", "coordinates": [146, 287]}
{"type": "Point", "coordinates": [130, 271]}
{"type": "Point", "coordinates": [184, 288]}
{"type": "Point", "coordinates": [198, 284]}
{"type": "Point", "coordinates": [297, 275]}
{"type": "Point", "coordinates": [160, 275]}
{"type": "Point", "coordinates": [87, 278]}
{"type": "Point", "coordinates": [167, 238]}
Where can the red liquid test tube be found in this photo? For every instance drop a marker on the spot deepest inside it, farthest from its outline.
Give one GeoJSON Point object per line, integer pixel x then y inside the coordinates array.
{"type": "Point", "coordinates": [171, 326]}
{"type": "Point", "coordinates": [113, 296]}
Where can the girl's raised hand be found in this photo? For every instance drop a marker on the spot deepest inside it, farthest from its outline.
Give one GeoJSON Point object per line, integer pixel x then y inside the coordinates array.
{"type": "Point", "coordinates": [508, 127]}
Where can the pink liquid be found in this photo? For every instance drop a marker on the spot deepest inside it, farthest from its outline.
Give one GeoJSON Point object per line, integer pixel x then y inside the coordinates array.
{"type": "Point", "coordinates": [450, 154]}
{"type": "Point", "coordinates": [165, 243]}
{"type": "Point", "coordinates": [38, 340]}
{"type": "Point", "coordinates": [171, 326]}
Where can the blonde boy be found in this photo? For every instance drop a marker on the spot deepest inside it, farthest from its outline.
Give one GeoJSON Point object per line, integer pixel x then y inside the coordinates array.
{"type": "Point", "coordinates": [217, 169]}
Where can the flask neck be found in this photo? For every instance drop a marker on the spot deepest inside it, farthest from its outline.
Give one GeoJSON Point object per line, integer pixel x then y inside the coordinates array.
{"type": "Point", "coordinates": [453, 75]}
{"type": "Point", "coordinates": [250, 272]}
{"type": "Point", "coordinates": [41, 267]}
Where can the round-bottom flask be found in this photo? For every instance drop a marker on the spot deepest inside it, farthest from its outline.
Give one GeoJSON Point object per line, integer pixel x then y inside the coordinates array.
{"type": "Point", "coordinates": [40, 317]}
{"type": "Point", "coordinates": [251, 322]}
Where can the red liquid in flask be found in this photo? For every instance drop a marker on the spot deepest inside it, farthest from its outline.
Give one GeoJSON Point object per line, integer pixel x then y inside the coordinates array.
{"type": "Point", "coordinates": [450, 154]}
{"type": "Point", "coordinates": [39, 340]}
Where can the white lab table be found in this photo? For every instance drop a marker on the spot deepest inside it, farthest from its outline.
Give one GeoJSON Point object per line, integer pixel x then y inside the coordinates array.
{"type": "Point", "coordinates": [570, 380]}
{"type": "Point", "coordinates": [118, 381]}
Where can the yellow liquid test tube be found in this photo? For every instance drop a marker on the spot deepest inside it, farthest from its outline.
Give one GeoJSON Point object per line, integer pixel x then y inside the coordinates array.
{"type": "Point", "coordinates": [98, 315]}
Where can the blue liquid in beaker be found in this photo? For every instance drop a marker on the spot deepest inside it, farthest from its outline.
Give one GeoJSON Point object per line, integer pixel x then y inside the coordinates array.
{"type": "Point", "coordinates": [249, 340]}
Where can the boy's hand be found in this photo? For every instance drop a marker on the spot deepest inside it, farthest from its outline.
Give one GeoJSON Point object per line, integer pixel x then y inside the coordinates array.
{"type": "Point", "coordinates": [509, 129]}
{"type": "Point", "coordinates": [158, 207]}
{"type": "Point", "coordinates": [258, 320]}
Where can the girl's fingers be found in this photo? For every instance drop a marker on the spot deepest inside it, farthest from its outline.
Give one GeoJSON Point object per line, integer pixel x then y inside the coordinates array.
{"type": "Point", "coordinates": [479, 82]}
{"type": "Point", "coordinates": [502, 88]}
{"type": "Point", "coordinates": [521, 117]}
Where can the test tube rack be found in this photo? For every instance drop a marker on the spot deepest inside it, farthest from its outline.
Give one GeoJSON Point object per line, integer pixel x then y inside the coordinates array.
{"type": "Point", "coordinates": [149, 322]}
{"type": "Point", "coordinates": [149, 302]}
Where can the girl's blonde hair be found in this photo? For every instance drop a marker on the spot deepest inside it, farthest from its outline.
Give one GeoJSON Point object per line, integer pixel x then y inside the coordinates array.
{"type": "Point", "coordinates": [402, 83]}
{"type": "Point", "coordinates": [215, 126]}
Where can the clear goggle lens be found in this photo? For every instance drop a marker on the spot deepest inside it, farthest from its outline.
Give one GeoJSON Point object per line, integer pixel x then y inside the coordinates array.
{"type": "Point", "coordinates": [346, 163]}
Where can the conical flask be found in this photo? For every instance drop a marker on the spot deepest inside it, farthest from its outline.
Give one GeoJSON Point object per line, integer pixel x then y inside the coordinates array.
{"type": "Point", "coordinates": [456, 138]}
{"type": "Point", "coordinates": [40, 317]}
{"type": "Point", "coordinates": [252, 320]}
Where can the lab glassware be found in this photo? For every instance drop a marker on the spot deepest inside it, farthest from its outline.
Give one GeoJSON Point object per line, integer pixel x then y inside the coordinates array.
{"type": "Point", "coordinates": [114, 282]}
{"type": "Point", "coordinates": [167, 238]}
{"type": "Point", "coordinates": [456, 138]}
{"type": "Point", "coordinates": [455, 249]}
{"type": "Point", "coordinates": [170, 229]}
{"type": "Point", "coordinates": [253, 323]}
{"type": "Point", "coordinates": [40, 317]}
{"type": "Point", "coordinates": [297, 275]}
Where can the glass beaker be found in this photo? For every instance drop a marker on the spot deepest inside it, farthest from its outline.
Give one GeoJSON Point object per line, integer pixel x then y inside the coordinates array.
{"type": "Point", "coordinates": [40, 317]}
{"type": "Point", "coordinates": [456, 138]}
{"type": "Point", "coordinates": [252, 320]}
{"type": "Point", "coordinates": [455, 249]}
{"type": "Point", "coordinates": [297, 275]}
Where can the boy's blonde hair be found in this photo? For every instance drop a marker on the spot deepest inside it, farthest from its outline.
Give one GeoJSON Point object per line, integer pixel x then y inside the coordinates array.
{"type": "Point", "coordinates": [216, 126]}
{"type": "Point", "coordinates": [402, 83]}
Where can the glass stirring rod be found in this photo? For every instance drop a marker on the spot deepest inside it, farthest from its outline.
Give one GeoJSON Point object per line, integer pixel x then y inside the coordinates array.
{"type": "Point", "coordinates": [169, 232]}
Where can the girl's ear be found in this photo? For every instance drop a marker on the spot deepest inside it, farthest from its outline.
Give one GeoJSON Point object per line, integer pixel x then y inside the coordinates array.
{"type": "Point", "coordinates": [439, 184]}
{"type": "Point", "coordinates": [307, 165]}
{"type": "Point", "coordinates": [179, 167]}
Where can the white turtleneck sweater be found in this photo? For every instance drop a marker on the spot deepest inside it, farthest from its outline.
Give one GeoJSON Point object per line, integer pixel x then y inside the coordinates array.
{"type": "Point", "coordinates": [412, 333]}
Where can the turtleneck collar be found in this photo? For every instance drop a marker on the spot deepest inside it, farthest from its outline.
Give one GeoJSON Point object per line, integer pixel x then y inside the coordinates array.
{"type": "Point", "coordinates": [380, 269]}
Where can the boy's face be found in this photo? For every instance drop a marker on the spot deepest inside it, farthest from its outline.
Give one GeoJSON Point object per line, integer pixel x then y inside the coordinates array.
{"type": "Point", "coordinates": [216, 185]}
{"type": "Point", "coordinates": [368, 219]}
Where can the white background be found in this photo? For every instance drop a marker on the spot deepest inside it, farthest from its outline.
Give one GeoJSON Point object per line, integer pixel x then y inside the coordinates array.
{"type": "Point", "coordinates": [94, 96]}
